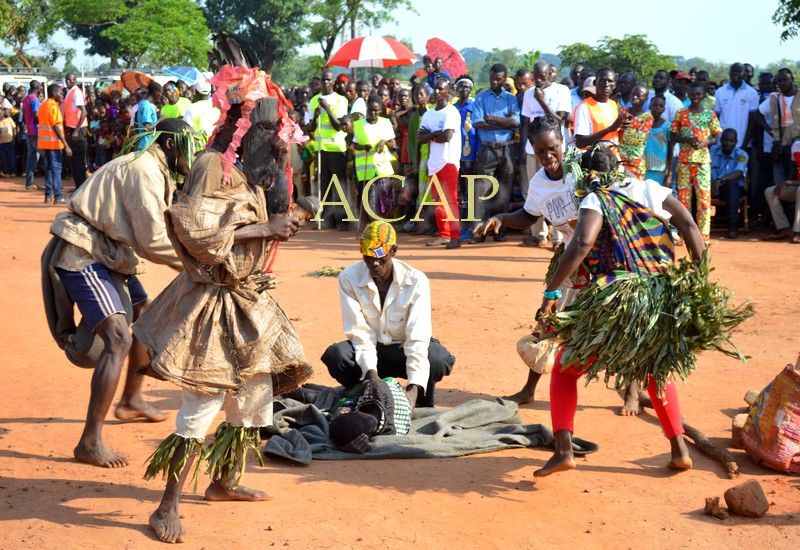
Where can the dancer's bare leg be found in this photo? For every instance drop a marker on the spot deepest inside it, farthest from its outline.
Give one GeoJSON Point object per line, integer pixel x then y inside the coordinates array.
{"type": "Point", "coordinates": [563, 458]}
{"type": "Point", "coordinates": [525, 395]}
{"type": "Point", "coordinates": [632, 407]}
{"type": "Point", "coordinates": [116, 337]}
{"type": "Point", "coordinates": [166, 521]}
{"type": "Point", "coordinates": [131, 405]}
{"type": "Point", "coordinates": [680, 454]}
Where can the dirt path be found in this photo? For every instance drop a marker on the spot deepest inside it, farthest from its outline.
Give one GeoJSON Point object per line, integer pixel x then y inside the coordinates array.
{"type": "Point", "coordinates": [483, 299]}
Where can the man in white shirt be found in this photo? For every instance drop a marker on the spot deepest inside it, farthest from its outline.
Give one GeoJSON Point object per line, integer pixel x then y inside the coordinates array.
{"type": "Point", "coordinates": [441, 128]}
{"type": "Point", "coordinates": [671, 103]}
{"type": "Point", "coordinates": [544, 98]}
{"type": "Point", "coordinates": [735, 102]}
{"type": "Point", "coordinates": [386, 312]}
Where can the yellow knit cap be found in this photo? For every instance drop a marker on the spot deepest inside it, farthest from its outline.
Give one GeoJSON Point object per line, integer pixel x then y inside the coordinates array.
{"type": "Point", "coordinates": [378, 239]}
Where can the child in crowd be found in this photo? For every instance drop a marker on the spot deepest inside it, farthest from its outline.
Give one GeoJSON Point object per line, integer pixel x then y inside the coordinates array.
{"type": "Point", "coordinates": [655, 152]}
{"type": "Point", "coordinates": [695, 128]}
{"type": "Point", "coordinates": [634, 137]}
{"type": "Point", "coordinates": [8, 131]}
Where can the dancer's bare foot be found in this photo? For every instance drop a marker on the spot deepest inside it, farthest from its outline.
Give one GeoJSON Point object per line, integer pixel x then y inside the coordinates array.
{"type": "Point", "coordinates": [563, 458]}
{"type": "Point", "coordinates": [559, 462]}
{"type": "Point", "coordinates": [146, 411]}
{"type": "Point", "coordinates": [680, 454]}
{"type": "Point", "coordinates": [632, 407]}
{"type": "Point", "coordinates": [167, 525]}
{"type": "Point", "coordinates": [218, 491]}
{"type": "Point", "coordinates": [525, 395]}
{"type": "Point", "coordinates": [99, 455]}
{"type": "Point", "coordinates": [521, 397]}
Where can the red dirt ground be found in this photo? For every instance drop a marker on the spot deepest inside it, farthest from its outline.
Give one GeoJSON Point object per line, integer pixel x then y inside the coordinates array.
{"type": "Point", "coordinates": [484, 297]}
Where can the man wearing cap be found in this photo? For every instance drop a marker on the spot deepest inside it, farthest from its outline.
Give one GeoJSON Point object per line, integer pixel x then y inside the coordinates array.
{"type": "Point", "coordinates": [202, 116]}
{"type": "Point", "coordinates": [386, 312]}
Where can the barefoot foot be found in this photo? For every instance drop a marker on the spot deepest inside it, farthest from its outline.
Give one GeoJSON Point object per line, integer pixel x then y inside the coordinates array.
{"type": "Point", "coordinates": [217, 491]}
{"type": "Point", "coordinates": [559, 462]}
{"type": "Point", "coordinates": [632, 407]}
{"type": "Point", "coordinates": [99, 455]}
{"type": "Point", "coordinates": [147, 412]}
{"type": "Point", "coordinates": [521, 397]}
{"type": "Point", "coordinates": [680, 454]}
{"type": "Point", "coordinates": [167, 526]}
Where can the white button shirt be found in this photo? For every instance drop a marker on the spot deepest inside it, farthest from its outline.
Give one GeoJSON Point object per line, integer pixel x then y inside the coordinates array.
{"type": "Point", "coordinates": [405, 317]}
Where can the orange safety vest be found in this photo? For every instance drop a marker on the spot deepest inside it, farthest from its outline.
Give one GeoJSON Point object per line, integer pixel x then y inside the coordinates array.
{"type": "Point", "coordinates": [73, 114]}
{"type": "Point", "coordinates": [49, 118]}
{"type": "Point", "coordinates": [600, 119]}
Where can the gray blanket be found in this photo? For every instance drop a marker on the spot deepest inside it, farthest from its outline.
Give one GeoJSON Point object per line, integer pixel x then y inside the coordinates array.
{"type": "Point", "coordinates": [300, 432]}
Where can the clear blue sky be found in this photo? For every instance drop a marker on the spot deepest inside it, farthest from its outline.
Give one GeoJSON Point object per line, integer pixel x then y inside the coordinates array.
{"type": "Point", "coordinates": [717, 30]}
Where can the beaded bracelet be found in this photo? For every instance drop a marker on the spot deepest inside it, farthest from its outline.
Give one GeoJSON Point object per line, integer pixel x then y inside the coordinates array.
{"type": "Point", "coordinates": [552, 294]}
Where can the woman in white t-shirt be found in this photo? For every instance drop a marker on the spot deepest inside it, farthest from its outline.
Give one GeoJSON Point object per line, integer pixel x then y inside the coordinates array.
{"type": "Point", "coordinates": [625, 241]}
{"type": "Point", "coordinates": [549, 195]}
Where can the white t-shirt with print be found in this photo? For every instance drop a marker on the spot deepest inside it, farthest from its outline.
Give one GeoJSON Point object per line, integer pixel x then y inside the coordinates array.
{"type": "Point", "coordinates": [556, 96]}
{"type": "Point", "coordinates": [442, 154]}
{"type": "Point", "coordinates": [647, 193]}
{"type": "Point", "coordinates": [555, 200]}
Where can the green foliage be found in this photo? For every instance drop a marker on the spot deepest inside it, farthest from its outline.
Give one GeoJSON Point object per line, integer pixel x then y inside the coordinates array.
{"type": "Point", "coordinates": [296, 70]}
{"type": "Point", "coordinates": [24, 23]}
{"type": "Point", "coordinates": [332, 17]}
{"type": "Point", "coordinates": [528, 60]}
{"type": "Point", "coordinates": [271, 29]}
{"type": "Point", "coordinates": [634, 53]}
{"type": "Point", "coordinates": [166, 32]}
{"type": "Point", "coordinates": [788, 16]}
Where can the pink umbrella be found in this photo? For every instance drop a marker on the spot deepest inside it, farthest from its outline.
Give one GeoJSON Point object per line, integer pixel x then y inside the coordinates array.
{"type": "Point", "coordinates": [374, 52]}
{"type": "Point", "coordinates": [454, 62]}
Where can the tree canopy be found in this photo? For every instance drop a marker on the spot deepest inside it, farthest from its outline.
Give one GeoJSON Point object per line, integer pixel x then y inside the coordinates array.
{"type": "Point", "coordinates": [162, 32]}
{"type": "Point", "coordinates": [272, 29]}
{"type": "Point", "coordinates": [788, 16]}
{"type": "Point", "coordinates": [634, 53]}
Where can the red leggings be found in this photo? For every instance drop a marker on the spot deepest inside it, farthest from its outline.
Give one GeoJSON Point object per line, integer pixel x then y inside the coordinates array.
{"type": "Point", "coordinates": [564, 400]}
{"type": "Point", "coordinates": [448, 180]}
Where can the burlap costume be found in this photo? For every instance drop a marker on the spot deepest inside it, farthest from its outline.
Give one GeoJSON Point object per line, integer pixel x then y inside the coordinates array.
{"type": "Point", "coordinates": [210, 329]}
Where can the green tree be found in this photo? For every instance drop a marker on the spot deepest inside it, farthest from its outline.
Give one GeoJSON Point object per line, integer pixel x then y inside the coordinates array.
{"type": "Point", "coordinates": [26, 25]}
{"type": "Point", "coordinates": [331, 18]}
{"type": "Point", "coordinates": [634, 53]}
{"type": "Point", "coordinates": [271, 29]}
{"type": "Point", "coordinates": [164, 32]}
{"type": "Point", "coordinates": [788, 16]}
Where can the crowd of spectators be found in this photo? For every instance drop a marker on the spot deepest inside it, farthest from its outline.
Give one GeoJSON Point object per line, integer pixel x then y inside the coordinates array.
{"type": "Point", "coordinates": [671, 129]}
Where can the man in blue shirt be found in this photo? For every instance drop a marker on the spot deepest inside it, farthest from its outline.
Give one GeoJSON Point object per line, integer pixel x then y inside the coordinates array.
{"type": "Point", "coordinates": [438, 72]}
{"type": "Point", "coordinates": [496, 116]}
{"type": "Point", "coordinates": [146, 114]}
{"type": "Point", "coordinates": [728, 169]}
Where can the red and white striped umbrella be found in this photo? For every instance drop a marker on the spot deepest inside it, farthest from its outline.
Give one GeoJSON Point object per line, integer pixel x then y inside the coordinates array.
{"type": "Point", "coordinates": [374, 52]}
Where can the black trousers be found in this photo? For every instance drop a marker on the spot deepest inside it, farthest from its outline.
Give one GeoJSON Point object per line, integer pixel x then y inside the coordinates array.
{"type": "Point", "coordinates": [77, 163]}
{"type": "Point", "coordinates": [340, 359]}
{"type": "Point", "coordinates": [332, 163]}
{"type": "Point", "coordinates": [497, 162]}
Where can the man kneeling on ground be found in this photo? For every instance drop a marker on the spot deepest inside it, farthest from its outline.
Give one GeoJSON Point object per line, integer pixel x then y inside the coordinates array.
{"type": "Point", "coordinates": [386, 311]}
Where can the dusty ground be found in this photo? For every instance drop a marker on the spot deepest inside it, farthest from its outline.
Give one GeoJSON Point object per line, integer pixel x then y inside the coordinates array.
{"type": "Point", "coordinates": [484, 297]}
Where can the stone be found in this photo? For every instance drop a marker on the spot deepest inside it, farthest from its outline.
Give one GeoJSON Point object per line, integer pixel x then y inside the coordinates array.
{"type": "Point", "coordinates": [747, 499]}
{"type": "Point", "coordinates": [737, 430]}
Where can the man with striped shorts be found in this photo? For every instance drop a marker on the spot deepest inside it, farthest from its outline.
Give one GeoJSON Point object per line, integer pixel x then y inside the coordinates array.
{"type": "Point", "coordinates": [114, 222]}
